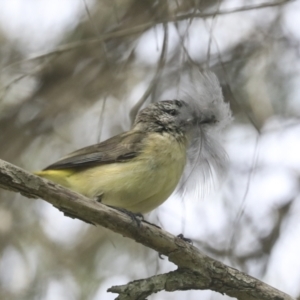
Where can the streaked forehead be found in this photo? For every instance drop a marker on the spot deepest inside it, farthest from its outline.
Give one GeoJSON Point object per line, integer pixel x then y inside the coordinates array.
{"type": "Point", "coordinates": [172, 103]}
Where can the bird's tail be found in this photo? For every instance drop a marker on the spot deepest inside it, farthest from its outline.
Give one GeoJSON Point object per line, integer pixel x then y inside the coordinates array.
{"type": "Point", "coordinates": [57, 176]}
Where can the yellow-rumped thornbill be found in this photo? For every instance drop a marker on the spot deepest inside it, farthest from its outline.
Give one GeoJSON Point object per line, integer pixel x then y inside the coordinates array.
{"type": "Point", "coordinates": [136, 170]}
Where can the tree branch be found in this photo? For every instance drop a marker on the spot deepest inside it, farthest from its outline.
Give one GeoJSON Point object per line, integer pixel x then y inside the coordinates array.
{"type": "Point", "coordinates": [195, 269]}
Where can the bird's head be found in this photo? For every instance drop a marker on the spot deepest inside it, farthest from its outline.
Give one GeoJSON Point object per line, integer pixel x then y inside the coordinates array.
{"type": "Point", "coordinates": [175, 116]}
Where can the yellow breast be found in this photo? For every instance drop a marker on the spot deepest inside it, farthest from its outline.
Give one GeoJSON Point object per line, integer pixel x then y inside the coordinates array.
{"type": "Point", "coordinates": [140, 184]}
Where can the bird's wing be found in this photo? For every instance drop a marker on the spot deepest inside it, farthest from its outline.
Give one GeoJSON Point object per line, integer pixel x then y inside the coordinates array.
{"type": "Point", "coordinates": [119, 148]}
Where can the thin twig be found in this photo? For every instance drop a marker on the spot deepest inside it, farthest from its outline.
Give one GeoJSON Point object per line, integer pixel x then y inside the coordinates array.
{"type": "Point", "coordinates": [159, 69]}
{"type": "Point", "coordinates": [231, 11]}
{"type": "Point", "coordinates": [94, 26]}
{"type": "Point", "coordinates": [143, 27]}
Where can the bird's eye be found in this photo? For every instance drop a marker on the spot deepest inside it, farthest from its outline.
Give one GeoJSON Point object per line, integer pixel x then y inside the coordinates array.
{"type": "Point", "coordinates": [172, 112]}
{"type": "Point", "coordinates": [178, 103]}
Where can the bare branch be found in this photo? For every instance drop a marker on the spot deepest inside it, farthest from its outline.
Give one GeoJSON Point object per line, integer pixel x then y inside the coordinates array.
{"type": "Point", "coordinates": [195, 269]}
{"type": "Point", "coordinates": [170, 282]}
{"type": "Point", "coordinates": [202, 272]}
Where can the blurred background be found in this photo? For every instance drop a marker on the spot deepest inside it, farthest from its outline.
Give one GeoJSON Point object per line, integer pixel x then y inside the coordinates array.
{"type": "Point", "coordinates": [76, 72]}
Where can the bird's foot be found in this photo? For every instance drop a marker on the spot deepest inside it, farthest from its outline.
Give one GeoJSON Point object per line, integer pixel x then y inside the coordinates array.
{"type": "Point", "coordinates": [181, 236]}
{"type": "Point", "coordinates": [136, 217]}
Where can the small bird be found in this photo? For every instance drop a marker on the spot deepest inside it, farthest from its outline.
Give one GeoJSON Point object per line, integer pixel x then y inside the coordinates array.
{"type": "Point", "coordinates": [136, 170]}
{"type": "Point", "coordinates": [139, 169]}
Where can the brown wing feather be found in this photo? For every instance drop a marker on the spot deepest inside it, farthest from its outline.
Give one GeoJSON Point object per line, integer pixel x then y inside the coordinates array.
{"type": "Point", "coordinates": [119, 148]}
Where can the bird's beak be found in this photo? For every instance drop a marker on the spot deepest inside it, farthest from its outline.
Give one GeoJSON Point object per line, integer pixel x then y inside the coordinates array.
{"type": "Point", "coordinates": [208, 120]}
